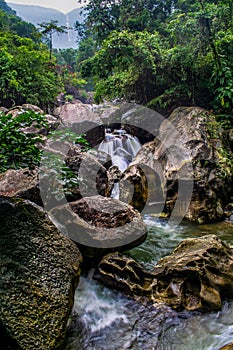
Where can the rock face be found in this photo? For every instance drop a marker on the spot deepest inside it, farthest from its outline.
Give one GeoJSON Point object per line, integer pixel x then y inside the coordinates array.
{"type": "Point", "coordinates": [40, 270]}
{"type": "Point", "coordinates": [37, 184]}
{"type": "Point", "coordinates": [196, 276]}
{"type": "Point", "coordinates": [191, 165]}
{"type": "Point", "coordinates": [21, 183]}
{"type": "Point", "coordinates": [81, 120]}
{"type": "Point", "coordinates": [93, 175]}
{"type": "Point", "coordinates": [101, 225]}
{"type": "Point", "coordinates": [135, 119]}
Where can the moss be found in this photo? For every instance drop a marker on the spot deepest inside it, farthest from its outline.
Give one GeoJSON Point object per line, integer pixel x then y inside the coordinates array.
{"type": "Point", "coordinates": [224, 164]}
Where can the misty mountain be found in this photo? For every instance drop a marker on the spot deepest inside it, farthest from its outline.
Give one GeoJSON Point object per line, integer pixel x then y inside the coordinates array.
{"type": "Point", "coordinates": [37, 14]}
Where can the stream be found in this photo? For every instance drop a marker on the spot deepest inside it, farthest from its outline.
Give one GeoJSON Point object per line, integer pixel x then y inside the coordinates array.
{"type": "Point", "coordinates": [104, 319]}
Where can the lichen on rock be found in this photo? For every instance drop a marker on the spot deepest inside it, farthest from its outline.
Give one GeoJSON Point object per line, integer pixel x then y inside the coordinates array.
{"type": "Point", "coordinates": [40, 270]}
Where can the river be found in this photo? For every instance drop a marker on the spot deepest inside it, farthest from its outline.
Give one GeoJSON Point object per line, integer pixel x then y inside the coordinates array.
{"type": "Point", "coordinates": [104, 319]}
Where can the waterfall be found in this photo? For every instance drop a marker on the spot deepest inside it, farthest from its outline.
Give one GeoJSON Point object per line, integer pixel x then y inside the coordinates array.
{"type": "Point", "coordinates": [122, 148]}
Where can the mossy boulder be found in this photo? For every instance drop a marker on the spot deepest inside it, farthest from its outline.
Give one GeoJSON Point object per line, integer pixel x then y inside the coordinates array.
{"type": "Point", "coordinates": [40, 270]}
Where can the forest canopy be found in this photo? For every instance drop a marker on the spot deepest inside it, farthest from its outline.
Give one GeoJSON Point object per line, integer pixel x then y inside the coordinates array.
{"type": "Point", "coordinates": [161, 53]}
{"type": "Point", "coordinates": [26, 72]}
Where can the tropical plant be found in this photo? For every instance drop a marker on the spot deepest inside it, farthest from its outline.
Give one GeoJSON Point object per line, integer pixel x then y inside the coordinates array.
{"type": "Point", "coordinates": [20, 149]}
{"type": "Point", "coordinates": [26, 74]}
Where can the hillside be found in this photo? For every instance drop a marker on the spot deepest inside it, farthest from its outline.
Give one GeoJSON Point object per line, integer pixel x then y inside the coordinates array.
{"type": "Point", "coordinates": [4, 7]}
{"type": "Point", "coordinates": [38, 14]}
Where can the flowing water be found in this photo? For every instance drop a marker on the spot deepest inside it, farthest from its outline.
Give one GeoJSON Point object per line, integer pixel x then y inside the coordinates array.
{"type": "Point", "coordinates": [121, 147]}
{"type": "Point", "coordinates": [105, 319]}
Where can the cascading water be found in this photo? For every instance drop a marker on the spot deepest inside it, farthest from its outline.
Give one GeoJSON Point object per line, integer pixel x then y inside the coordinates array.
{"type": "Point", "coordinates": [105, 319]}
{"type": "Point", "coordinates": [122, 148]}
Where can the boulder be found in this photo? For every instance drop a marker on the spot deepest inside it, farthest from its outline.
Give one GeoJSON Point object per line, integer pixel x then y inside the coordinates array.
{"type": "Point", "coordinates": [53, 123]}
{"type": "Point", "coordinates": [137, 120]}
{"type": "Point", "coordinates": [196, 276]}
{"type": "Point", "coordinates": [14, 111]}
{"type": "Point", "coordinates": [101, 225]}
{"type": "Point", "coordinates": [93, 175]}
{"type": "Point", "coordinates": [41, 186]}
{"type": "Point", "coordinates": [33, 129]}
{"type": "Point", "coordinates": [188, 168]}
{"type": "Point", "coordinates": [22, 183]}
{"type": "Point", "coordinates": [81, 120]}
{"type": "Point", "coordinates": [40, 270]}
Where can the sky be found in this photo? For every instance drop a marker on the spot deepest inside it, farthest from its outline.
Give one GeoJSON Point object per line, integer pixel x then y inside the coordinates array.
{"type": "Point", "coordinates": [60, 5]}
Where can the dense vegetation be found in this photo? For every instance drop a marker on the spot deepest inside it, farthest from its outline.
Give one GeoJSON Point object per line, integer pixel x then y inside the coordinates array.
{"type": "Point", "coordinates": [161, 53]}
{"type": "Point", "coordinates": [29, 73]}
{"type": "Point", "coordinates": [20, 149]}
{"type": "Point", "coordinates": [26, 72]}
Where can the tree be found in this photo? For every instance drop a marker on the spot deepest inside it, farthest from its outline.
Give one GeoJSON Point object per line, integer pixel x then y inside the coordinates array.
{"type": "Point", "coordinates": [190, 62]}
{"type": "Point", "coordinates": [125, 66]}
{"type": "Point", "coordinates": [10, 22]}
{"type": "Point", "coordinates": [48, 29]}
{"type": "Point", "coordinates": [26, 74]}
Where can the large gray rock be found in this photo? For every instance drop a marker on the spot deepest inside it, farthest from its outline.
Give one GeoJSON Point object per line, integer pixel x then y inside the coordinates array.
{"type": "Point", "coordinates": [93, 175]}
{"type": "Point", "coordinates": [81, 120]}
{"type": "Point", "coordinates": [101, 225]}
{"type": "Point", "coordinates": [22, 183]}
{"type": "Point", "coordinates": [40, 270]}
{"type": "Point", "coordinates": [137, 120]}
{"type": "Point", "coordinates": [33, 129]}
{"type": "Point", "coordinates": [196, 276]}
{"type": "Point", "coordinates": [188, 168]}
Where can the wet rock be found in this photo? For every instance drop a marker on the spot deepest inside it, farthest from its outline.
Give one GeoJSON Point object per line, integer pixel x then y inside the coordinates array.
{"type": "Point", "coordinates": [196, 276]}
{"type": "Point", "coordinates": [114, 175]}
{"type": "Point", "coordinates": [40, 270]}
{"type": "Point", "coordinates": [100, 225]}
{"type": "Point", "coordinates": [138, 326]}
{"type": "Point", "coordinates": [190, 163]}
{"type": "Point", "coordinates": [81, 120]}
{"type": "Point", "coordinates": [93, 176]}
{"type": "Point", "coordinates": [22, 183]}
{"type": "Point", "coordinates": [135, 119]}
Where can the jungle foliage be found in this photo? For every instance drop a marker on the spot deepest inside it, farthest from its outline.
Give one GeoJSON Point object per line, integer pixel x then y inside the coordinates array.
{"type": "Point", "coordinates": [27, 74]}
{"type": "Point", "coordinates": [161, 53]}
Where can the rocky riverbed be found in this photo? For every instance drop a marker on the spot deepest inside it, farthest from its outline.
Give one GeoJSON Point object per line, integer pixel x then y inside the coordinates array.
{"type": "Point", "coordinates": [183, 173]}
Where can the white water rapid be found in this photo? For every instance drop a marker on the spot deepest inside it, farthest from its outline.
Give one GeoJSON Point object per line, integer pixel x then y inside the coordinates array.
{"type": "Point", "coordinates": [122, 148]}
